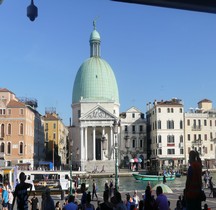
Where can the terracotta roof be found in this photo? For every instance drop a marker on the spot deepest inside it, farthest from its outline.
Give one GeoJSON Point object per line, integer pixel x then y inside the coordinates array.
{"type": "Point", "coordinates": [50, 117]}
{"type": "Point", "coordinates": [13, 103]}
{"type": "Point", "coordinates": [5, 90]}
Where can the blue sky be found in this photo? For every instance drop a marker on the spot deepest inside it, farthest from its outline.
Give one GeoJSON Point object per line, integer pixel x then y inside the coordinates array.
{"type": "Point", "coordinates": [155, 53]}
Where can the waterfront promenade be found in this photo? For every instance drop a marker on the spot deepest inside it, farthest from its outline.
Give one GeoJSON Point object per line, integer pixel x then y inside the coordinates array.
{"type": "Point", "coordinates": [171, 197]}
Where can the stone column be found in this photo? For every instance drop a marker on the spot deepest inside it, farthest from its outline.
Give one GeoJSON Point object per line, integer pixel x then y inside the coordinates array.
{"type": "Point", "coordinates": [111, 147]}
{"type": "Point", "coordinates": [93, 143]}
{"type": "Point", "coordinates": [102, 151]}
{"type": "Point", "coordinates": [82, 144]}
{"type": "Point", "coordinates": [86, 143]}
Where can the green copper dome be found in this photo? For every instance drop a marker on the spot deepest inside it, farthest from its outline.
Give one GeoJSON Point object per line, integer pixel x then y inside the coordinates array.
{"type": "Point", "coordinates": [95, 80]}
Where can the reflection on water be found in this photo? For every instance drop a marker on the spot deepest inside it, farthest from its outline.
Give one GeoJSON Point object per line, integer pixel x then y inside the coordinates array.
{"type": "Point", "coordinates": [130, 184]}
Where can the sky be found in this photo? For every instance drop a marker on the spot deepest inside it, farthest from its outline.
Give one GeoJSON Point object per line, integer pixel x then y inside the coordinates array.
{"type": "Point", "coordinates": [156, 53]}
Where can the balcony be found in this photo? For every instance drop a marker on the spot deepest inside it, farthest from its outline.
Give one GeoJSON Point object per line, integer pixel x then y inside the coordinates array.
{"type": "Point", "coordinates": [196, 128]}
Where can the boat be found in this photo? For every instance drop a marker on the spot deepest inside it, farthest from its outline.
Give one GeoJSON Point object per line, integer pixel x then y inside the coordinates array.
{"type": "Point", "coordinates": [152, 177]}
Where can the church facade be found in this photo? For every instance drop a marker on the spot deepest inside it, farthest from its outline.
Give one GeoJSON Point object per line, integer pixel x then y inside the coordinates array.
{"type": "Point", "coordinates": [95, 108]}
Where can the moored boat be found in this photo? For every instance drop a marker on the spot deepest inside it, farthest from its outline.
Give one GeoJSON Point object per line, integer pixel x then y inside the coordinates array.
{"type": "Point", "coordinates": [152, 177]}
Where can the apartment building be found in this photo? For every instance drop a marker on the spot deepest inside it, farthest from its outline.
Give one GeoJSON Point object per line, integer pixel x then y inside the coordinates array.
{"type": "Point", "coordinates": [56, 134]}
{"type": "Point", "coordinates": [132, 137]}
{"type": "Point", "coordinates": [165, 133]}
{"type": "Point", "coordinates": [21, 130]}
{"type": "Point", "coordinates": [200, 132]}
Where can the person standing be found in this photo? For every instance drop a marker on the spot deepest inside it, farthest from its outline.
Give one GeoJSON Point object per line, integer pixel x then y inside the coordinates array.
{"type": "Point", "coordinates": [194, 182]}
{"type": "Point", "coordinates": [94, 190]}
{"type": "Point", "coordinates": [34, 202]}
{"type": "Point", "coordinates": [48, 202]}
{"type": "Point", "coordinates": [106, 205]}
{"type": "Point", "coordinates": [10, 199]}
{"type": "Point", "coordinates": [88, 205]}
{"type": "Point", "coordinates": [136, 199]}
{"type": "Point", "coordinates": [211, 186]}
{"type": "Point", "coordinates": [70, 205]}
{"type": "Point", "coordinates": [21, 193]}
{"type": "Point", "coordinates": [161, 200]}
{"type": "Point", "coordinates": [5, 196]}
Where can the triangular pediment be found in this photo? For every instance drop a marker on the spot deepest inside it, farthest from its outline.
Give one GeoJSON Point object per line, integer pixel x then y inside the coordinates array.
{"type": "Point", "coordinates": [98, 113]}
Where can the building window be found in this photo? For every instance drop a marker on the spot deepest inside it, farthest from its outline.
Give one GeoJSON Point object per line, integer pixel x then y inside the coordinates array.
{"type": "Point", "coordinates": [159, 124]}
{"type": "Point", "coordinates": [159, 151]}
{"type": "Point", "coordinates": [2, 130]}
{"type": "Point", "coordinates": [21, 111]}
{"type": "Point", "coordinates": [9, 148]}
{"type": "Point", "coordinates": [46, 126]}
{"type": "Point", "coordinates": [189, 137]}
{"type": "Point", "coordinates": [2, 147]}
{"type": "Point", "coordinates": [205, 122]}
{"type": "Point", "coordinates": [9, 111]}
{"type": "Point", "coordinates": [181, 151]}
{"type": "Point", "coordinates": [211, 135]}
{"type": "Point", "coordinates": [79, 114]}
{"type": "Point", "coordinates": [211, 147]}
{"type": "Point", "coordinates": [188, 122]}
{"type": "Point", "coordinates": [159, 110]}
{"type": "Point", "coordinates": [170, 151]}
{"type": "Point", "coordinates": [46, 136]}
{"type": "Point", "coordinates": [141, 128]}
{"type": "Point", "coordinates": [168, 110]}
{"type": "Point", "coordinates": [2, 111]}
{"type": "Point", "coordinates": [141, 143]}
{"type": "Point", "coordinates": [170, 124]}
{"type": "Point", "coordinates": [159, 139]}
{"type": "Point", "coordinates": [9, 129]}
{"type": "Point", "coordinates": [172, 110]}
{"type": "Point", "coordinates": [133, 129]}
{"type": "Point", "coordinates": [181, 124]}
{"type": "Point", "coordinates": [181, 138]}
{"type": "Point", "coordinates": [205, 137]}
{"type": "Point", "coordinates": [21, 129]}
{"type": "Point", "coordinates": [134, 143]}
{"type": "Point", "coordinates": [54, 126]}
{"type": "Point", "coordinates": [133, 115]}
{"type": "Point", "coordinates": [180, 110]}
{"type": "Point", "coordinates": [126, 128]}
{"type": "Point", "coordinates": [54, 135]}
{"type": "Point", "coordinates": [170, 139]}
{"type": "Point", "coordinates": [21, 148]}
{"type": "Point", "coordinates": [210, 123]}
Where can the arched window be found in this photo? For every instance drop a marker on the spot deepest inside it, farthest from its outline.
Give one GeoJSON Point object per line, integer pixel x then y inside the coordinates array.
{"type": "Point", "coordinates": [2, 130]}
{"type": "Point", "coordinates": [9, 129]}
{"type": "Point", "coordinates": [21, 129]}
{"type": "Point", "coordinates": [9, 148]}
{"type": "Point", "coordinates": [21, 148]}
{"type": "Point", "coordinates": [2, 147]}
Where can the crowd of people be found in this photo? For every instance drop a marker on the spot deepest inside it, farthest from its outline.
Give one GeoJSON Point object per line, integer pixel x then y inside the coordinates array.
{"type": "Point", "coordinates": [192, 197]}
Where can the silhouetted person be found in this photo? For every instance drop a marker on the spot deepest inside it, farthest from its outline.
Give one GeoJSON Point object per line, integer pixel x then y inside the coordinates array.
{"type": "Point", "coordinates": [21, 193]}
{"type": "Point", "coordinates": [194, 182]}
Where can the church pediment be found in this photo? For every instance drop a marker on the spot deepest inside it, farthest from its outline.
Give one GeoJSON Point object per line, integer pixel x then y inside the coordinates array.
{"type": "Point", "coordinates": [98, 113]}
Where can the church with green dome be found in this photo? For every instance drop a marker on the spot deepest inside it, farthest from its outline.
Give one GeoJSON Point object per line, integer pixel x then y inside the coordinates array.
{"type": "Point", "coordinates": [95, 107]}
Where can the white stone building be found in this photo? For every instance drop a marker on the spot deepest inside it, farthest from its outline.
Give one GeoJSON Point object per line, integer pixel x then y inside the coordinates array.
{"type": "Point", "coordinates": [200, 132]}
{"type": "Point", "coordinates": [165, 121]}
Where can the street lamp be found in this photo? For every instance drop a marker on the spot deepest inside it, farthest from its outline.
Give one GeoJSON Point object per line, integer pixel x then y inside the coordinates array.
{"type": "Point", "coordinates": [71, 178]}
{"type": "Point", "coordinates": [32, 11]}
{"type": "Point", "coordinates": [115, 131]}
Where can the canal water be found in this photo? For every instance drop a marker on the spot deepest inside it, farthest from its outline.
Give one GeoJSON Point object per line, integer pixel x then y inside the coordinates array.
{"type": "Point", "coordinates": [130, 184]}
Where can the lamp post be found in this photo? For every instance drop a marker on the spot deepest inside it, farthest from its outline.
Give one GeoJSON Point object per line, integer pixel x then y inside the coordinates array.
{"type": "Point", "coordinates": [71, 177]}
{"type": "Point", "coordinates": [115, 131]}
